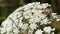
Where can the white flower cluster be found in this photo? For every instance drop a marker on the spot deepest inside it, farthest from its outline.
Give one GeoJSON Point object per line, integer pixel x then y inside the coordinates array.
{"type": "Point", "coordinates": [47, 30]}
{"type": "Point", "coordinates": [39, 32]}
{"type": "Point", "coordinates": [29, 18]}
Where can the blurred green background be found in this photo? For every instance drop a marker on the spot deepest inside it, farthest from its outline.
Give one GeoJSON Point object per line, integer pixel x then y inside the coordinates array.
{"type": "Point", "coordinates": [8, 6]}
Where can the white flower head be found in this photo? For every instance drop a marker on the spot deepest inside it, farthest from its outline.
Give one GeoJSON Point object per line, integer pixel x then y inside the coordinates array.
{"type": "Point", "coordinates": [33, 26]}
{"type": "Point", "coordinates": [39, 31]}
{"type": "Point", "coordinates": [25, 26]}
{"type": "Point", "coordinates": [45, 21]}
{"type": "Point", "coordinates": [54, 15]}
{"type": "Point", "coordinates": [58, 20]}
{"type": "Point", "coordinates": [48, 29]}
{"type": "Point", "coordinates": [25, 18]}
{"type": "Point", "coordinates": [45, 5]}
{"type": "Point", "coordinates": [52, 33]}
